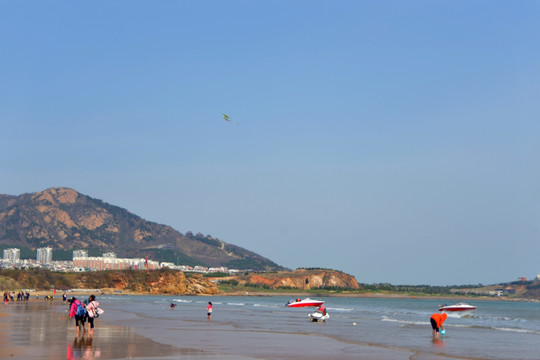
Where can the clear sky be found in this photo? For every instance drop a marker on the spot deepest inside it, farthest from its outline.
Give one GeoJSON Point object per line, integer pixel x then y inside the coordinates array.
{"type": "Point", "coordinates": [398, 141]}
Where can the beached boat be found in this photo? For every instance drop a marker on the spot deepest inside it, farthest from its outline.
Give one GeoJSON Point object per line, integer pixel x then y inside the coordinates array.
{"type": "Point", "coordinates": [304, 302]}
{"type": "Point", "coordinates": [318, 316]}
{"type": "Point", "coordinates": [457, 307]}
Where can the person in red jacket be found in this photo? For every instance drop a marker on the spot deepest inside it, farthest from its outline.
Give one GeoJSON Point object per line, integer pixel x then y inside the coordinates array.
{"type": "Point", "coordinates": [436, 321]}
{"type": "Point", "coordinates": [322, 309]}
{"type": "Point", "coordinates": [79, 320]}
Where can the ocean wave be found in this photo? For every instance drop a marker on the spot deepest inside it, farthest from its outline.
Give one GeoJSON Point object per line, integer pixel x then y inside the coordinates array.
{"type": "Point", "coordinates": [340, 309]}
{"type": "Point", "coordinates": [236, 304]}
{"type": "Point", "coordinates": [270, 306]}
{"type": "Point", "coordinates": [406, 322]}
{"type": "Point", "coordinates": [182, 301]}
{"type": "Point", "coordinates": [517, 330]}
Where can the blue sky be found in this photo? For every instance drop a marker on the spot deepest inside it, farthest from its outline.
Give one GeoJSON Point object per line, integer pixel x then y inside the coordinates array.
{"type": "Point", "coordinates": [397, 141]}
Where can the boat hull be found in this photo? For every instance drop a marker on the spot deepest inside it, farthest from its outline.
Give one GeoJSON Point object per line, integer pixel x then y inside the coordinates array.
{"type": "Point", "coordinates": [305, 302]}
{"type": "Point", "coordinates": [457, 308]}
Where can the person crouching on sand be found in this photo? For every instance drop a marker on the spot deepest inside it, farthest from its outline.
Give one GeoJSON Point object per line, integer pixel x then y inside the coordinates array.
{"type": "Point", "coordinates": [436, 321]}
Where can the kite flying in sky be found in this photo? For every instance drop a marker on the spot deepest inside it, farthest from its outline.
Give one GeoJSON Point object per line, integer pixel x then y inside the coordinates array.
{"type": "Point", "coordinates": [228, 119]}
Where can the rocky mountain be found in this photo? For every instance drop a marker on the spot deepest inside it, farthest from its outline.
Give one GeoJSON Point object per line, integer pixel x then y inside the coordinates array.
{"type": "Point", "coordinates": [64, 219]}
{"type": "Point", "coordinates": [303, 279]}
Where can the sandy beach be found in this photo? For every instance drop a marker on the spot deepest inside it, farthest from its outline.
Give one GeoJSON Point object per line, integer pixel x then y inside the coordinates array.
{"type": "Point", "coordinates": [43, 330]}
{"type": "Point", "coordinates": [261, 327]}
{"type": "Point", "coordinates": [40, 329]}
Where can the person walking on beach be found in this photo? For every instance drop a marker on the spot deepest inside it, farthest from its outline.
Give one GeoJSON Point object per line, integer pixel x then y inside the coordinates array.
{"type": "Point", "coordinates": [436, 321]}
{"type": "Point", "coordinates": [77, 311]}
{"type": "Point", "coordinates": [92, 311]}
{"type": "Point", "coordinates": [209, 310]}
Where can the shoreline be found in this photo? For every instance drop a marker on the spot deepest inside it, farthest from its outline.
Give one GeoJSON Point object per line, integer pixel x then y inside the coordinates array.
{"type": "Point", "coordinates": [148, 329]}
{"type": "Point", "coordinates": [102, 292]}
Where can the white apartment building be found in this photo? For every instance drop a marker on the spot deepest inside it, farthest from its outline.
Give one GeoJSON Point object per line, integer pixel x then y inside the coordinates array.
{"type": "Point", "coordinates": [12, 254]}
{"type": "Point", "coordinates": [80, 254]}
{"type": "Point", "coordinates": [44, 255]}
{"type": "Point", "coordinates": [110, 263]}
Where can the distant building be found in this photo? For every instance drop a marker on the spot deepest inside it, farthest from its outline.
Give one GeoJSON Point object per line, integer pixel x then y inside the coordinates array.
{"type": "Point", "coordinates": [113, 263]}
{"type": "Point", "coordinates": [166, 246]}
{"type": "Point", "coordinates": [12, 254]}
{"type": "Point", "coordinates": [80, 254]}
{"type": "Point", "coordinates": [44, 255]}
{"type": "Point", "coordinates": [110, 255]}
{"type": "Point", "coordinates": [522, 279]}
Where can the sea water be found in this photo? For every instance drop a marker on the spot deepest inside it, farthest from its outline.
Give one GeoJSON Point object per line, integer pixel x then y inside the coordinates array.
{"type": "Point", "coordinates": [496, 330]}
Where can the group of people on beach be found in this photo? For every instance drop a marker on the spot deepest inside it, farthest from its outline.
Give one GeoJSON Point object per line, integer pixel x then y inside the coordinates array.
{"type": "Point", "coordinates": [84, 311]}
{"type": "Point", "coordinates": [21, 296]}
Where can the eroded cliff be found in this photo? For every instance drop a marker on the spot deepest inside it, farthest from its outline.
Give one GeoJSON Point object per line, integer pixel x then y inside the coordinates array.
{"type": "Point", "coordinates": [304, 279]}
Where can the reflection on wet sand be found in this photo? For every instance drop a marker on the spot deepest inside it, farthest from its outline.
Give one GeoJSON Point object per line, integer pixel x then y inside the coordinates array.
{"type": "Point", "coordinates": [82, 348]}
{"type": "Point", "coordinates": [38, 330]}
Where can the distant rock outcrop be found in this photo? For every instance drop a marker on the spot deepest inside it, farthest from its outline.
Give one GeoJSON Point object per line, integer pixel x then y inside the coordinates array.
{"type": "Point", "coordinates": [62, 218]}
{"type": "Point", "coordinates": [155, 282]}
{"type": "Point", "coordinates": [164, 281]}
{"type": "Point", "coordinates": [303, 279]}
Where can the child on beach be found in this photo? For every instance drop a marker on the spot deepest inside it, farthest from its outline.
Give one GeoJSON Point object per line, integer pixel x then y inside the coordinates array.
{"type": "Point", "coordinates": [209, 310]}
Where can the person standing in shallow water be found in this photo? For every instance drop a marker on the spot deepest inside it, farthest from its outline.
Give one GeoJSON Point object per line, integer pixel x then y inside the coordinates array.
{"type": "Point", "coordinates": [209, 309]}
{"type": "Point", "coordinates": [436, 321]}
{"type": "Point", "coordinates": [79, 320]}
{"type": "Point", "coordinates": [92, 309]}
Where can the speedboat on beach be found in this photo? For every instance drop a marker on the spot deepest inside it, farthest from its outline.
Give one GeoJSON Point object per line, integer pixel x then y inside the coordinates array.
{"type": "Point", "coordinates": [457, 307]}
{"type": "Point", "coordinates": [304, 302]}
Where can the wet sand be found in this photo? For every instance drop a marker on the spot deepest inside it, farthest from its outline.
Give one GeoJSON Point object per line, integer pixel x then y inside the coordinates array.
{"type": "Point", "coordinates": [42, 330]}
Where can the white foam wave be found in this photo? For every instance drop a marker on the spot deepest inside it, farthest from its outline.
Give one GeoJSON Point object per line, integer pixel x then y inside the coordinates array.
{"type": "Point", "coordinates": [518, 330]}
{"type": "Point", "coordinates": [406, 322]}
{"type": "Point", "coordinates": [264, 305]}
{"type": "Point", "coordinates": [182, 301]}
{"type": "Point", "coordinates": [340, 309]}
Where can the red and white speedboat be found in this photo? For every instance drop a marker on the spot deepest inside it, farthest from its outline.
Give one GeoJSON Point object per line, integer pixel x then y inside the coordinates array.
{"type": "Point", "coordinates": [457, 307]}
{"type": "Point", "coordinates": [304, 302]}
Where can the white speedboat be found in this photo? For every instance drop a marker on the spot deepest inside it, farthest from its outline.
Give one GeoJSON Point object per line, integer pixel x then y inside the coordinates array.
{"type": "Point", "coordinates": [457, 307]}
{"type": "Point", "coordinates": [304, 302]}
{"type": "Point", "coordinates": [318, 316]}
